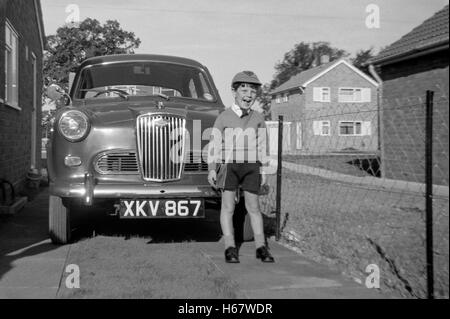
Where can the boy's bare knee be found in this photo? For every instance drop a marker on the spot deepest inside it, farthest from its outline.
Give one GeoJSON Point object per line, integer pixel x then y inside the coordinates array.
{"type": "Point", "coordinates": [252, 209]}
{"type": "Point", "coordinates": [227, 211]}
{"type": "Point", "coordinates": [227, 208]}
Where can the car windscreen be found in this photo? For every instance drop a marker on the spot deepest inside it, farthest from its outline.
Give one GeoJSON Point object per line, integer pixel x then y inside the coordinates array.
{"type": "Point", "coordinates": [143, 79]}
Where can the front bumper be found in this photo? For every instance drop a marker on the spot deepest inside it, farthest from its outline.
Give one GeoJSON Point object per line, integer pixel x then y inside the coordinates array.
{"type": "Point", "coordinates": [89, 190]}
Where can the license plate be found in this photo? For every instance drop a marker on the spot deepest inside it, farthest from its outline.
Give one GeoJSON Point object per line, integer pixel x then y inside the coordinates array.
{"type": "Point", "coordinates": [162, 208]}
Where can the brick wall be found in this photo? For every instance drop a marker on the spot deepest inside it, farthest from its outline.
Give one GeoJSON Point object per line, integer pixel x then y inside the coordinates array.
{"type": "Point", "coordinates": [403, 117]}
{"type": "Point", "coordinates": [15, 125]}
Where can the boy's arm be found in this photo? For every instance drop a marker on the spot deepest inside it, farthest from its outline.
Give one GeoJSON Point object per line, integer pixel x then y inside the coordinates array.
{"type": "Point", "coordinates": [215, 144]}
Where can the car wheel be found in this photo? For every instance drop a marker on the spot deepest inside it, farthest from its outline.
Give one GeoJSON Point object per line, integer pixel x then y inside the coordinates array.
{"type": "Point", "coordinates": [59, 221]}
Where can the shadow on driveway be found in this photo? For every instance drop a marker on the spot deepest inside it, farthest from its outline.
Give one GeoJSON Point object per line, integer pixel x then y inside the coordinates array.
{"type": "Point", "coordinates": [30, 266]}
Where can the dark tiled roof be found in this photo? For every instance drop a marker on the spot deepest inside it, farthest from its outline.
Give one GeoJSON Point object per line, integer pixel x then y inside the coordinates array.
{"type": "Point", "coordinates": [302, 77]}
{"type": "Point", "coordinates": [432, 32]}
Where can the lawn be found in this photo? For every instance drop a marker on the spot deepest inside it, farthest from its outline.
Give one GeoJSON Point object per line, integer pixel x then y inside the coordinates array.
{"type": "Point", "coordinates": [112, 267]}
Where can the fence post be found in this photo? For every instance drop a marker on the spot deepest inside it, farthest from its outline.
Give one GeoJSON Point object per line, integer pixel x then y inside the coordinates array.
{"type": "Point", "coordinates": [429, 192]}
{"type": "Point", "coordinates": [279, 166]}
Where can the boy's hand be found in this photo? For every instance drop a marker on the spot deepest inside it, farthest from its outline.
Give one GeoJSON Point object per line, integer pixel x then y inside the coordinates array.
{"type": "Point", "coordinates": [263, 179]}
{"type": "Point", "coordinates": [212, 178]}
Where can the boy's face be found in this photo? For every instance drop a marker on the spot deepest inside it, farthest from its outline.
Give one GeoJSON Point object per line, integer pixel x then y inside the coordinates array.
{"type": "Point", "coordinates": [245, 95]}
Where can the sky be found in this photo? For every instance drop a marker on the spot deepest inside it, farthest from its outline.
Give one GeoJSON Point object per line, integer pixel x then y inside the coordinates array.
{"type": "Point", "coordinates": [228, 36]}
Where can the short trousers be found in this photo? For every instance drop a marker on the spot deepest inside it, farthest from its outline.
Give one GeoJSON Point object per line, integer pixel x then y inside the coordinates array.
{"type": "Point", "coordinates": [246, 175]}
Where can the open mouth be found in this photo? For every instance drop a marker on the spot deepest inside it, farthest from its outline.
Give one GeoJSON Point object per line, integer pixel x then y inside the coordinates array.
{"type": "Point", "coordinates": [246, 102]}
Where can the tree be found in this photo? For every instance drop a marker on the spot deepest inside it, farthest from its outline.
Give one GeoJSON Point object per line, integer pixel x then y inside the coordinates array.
{"type": "Point", "coordinates": [263, 101]}
{"type": "Point", "coordinates": [302, 57]}
{"type": "Point", "coordinates": [47, 122]}
{"type": "Point", "coordinates": [361, 58]}
{"type": "Point", "coordinates": [71, 45]}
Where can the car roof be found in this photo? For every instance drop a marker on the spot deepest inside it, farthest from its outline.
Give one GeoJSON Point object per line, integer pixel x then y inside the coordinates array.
{"type": "Point", "coordinates": [140, 57]}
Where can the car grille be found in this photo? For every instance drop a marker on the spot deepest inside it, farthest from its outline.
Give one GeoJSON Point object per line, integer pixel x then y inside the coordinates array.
{"type": "Point", "coordinates": [194, 162]}
{"type": "Point", "coordinates": [126, 163]}
{"type": "Point", "coordinates": [117, 163]}
{"type": "Point", "coordinates": [160, 142]}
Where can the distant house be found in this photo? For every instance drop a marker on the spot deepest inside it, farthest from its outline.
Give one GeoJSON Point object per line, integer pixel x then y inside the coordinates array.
{"type": "Point", "coordinates": [21, 49]}
{"type": "Point", "coordinates": [408, 67]}
{"type": "Point", "coordinates": [328, 108]}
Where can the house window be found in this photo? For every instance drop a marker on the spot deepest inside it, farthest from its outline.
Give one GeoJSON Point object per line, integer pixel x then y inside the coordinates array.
{"type": "Point", "coordinates": [354, 95]}
{"type": "Point", "coordinates": [322, 128]}
{"type": "Point", "coordinates": [321, 94]}
{"type": "Point", "coordinates": [278, 99]}
{"type": "Point", "coordinates": [285, 98]}
{"type": "Point", "coordinates": [353, 128]}
{"type": "Point", "coordinates": [11, 67]}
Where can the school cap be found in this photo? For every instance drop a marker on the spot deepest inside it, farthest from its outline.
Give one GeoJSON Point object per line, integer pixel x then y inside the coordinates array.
{"type": "Point", "coordinates": [245, 77]}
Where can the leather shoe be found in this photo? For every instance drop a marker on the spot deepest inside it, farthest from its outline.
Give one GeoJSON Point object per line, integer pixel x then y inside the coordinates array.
{"type": "Point", "coordinates": [231, 255]}
{"type": "Point", "coordinates": [264, 254]}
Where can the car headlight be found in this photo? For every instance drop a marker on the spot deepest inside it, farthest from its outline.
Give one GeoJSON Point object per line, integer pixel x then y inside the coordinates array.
{"type": "Point", "coordinates": [74, 125]}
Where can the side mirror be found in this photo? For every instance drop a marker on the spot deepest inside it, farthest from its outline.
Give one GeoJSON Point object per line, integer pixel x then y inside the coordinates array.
{"type": "Point", "coordinates": [56, 93]}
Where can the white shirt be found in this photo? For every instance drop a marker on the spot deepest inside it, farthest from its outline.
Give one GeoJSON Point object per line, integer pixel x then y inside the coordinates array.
{"type": "Point", "coordinates": [236, 109]}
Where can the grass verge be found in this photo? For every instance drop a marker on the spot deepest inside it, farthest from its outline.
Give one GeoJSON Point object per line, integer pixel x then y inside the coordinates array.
{"type": "Point", "coordinates": [349, 227]}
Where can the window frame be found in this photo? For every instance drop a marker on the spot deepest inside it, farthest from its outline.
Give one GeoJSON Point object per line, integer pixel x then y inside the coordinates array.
{"type": "Point", "coordinates": [354, 128]}
{"type": "Point", "coordinates": [322, 89]}
{"type": "Point", "coordinates": [14, 53]}
{"type": "Point", "coordinates": [278, 99]}
{"type": "Point", "coordinates": [322, 126]}
{"type": "Point", "coordinates": [354, 89]}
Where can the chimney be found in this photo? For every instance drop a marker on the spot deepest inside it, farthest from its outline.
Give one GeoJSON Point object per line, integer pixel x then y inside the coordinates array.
{"type": "Point", "coordinates": [324, 59]}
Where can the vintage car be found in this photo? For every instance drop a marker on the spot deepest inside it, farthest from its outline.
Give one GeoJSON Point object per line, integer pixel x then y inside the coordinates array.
{"type": "Point", "coordinates": [130, 138]}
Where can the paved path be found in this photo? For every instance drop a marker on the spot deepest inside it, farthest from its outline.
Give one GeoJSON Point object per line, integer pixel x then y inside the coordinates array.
{"type": "Point", "coordinates": [292, 276]}
{"type": "Point", "coordinates": [31, 267]}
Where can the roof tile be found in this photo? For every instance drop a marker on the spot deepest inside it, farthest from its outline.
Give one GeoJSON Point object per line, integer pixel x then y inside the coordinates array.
{"type": "Point", "coordinates": [302, 77]}
{"type": "Point", "coordinates": [432, 32]}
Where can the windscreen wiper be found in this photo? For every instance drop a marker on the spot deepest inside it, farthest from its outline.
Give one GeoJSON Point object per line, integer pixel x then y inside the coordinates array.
{"type": "Point", "coordinates": [166, 97]}
{"type": "Point", "coordinates": [123, 94]}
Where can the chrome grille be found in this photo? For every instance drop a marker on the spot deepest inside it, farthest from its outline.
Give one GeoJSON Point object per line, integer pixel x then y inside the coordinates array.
{"type": "Point", "coordinates": [160, 139]}
{"type": "Point", "coordinates": [117, 163]}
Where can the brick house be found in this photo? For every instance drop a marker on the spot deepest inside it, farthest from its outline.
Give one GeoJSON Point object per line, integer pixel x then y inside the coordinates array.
{"type": "Point", "coordinates": [408, 67]}
{"type": "Point", "coordinates": [22, 43]}
{"type": "Point", "coordinates": [328, 108]}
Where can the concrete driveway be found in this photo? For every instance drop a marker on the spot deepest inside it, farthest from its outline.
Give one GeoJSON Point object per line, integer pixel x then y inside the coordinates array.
{"type": "Point", "coordinates": [31, 267]}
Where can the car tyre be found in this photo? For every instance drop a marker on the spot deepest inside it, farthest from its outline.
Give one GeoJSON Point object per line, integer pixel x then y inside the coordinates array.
{"type": "Point", "coordinates": [59, 221]}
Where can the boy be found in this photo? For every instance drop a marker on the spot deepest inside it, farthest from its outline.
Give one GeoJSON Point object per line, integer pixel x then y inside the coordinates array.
{"type": "Point", "coordinates": [241, 166]}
